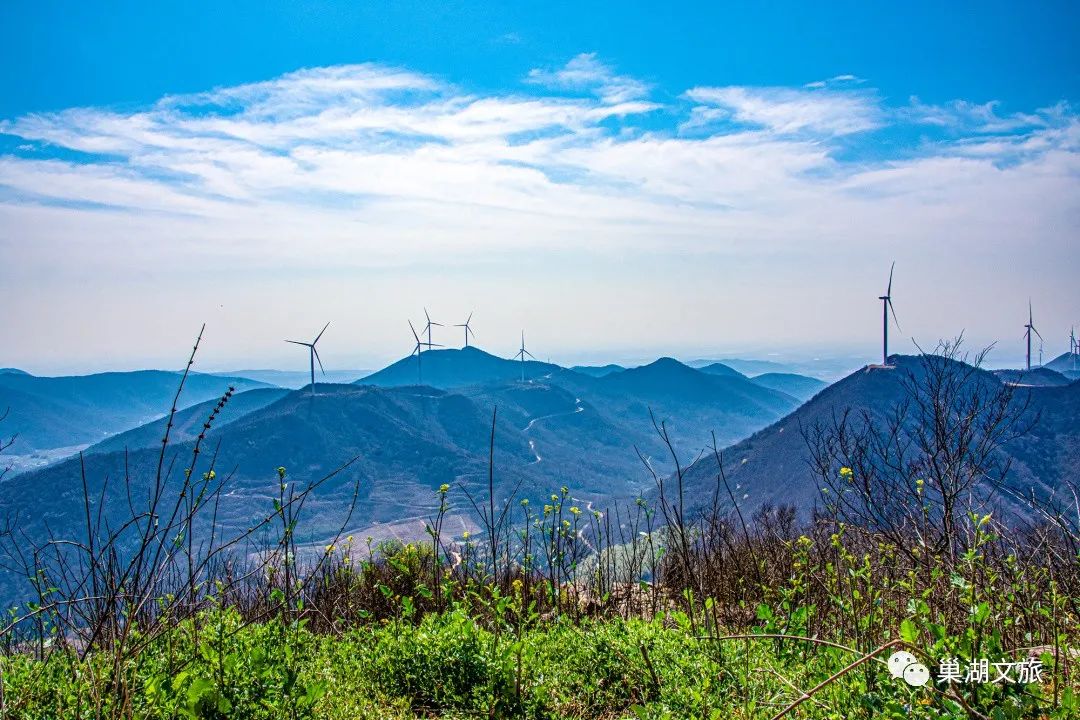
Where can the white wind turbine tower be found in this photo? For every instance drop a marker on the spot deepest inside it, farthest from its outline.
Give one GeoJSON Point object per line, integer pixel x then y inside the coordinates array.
{"type": "Point", "coordinates": [521, 354]}
{"type": "Point", "coordinates": [468, 330]}
{"type": "Point", "coordinates": [427, 328]}
{"type": "Point", "coordinates": [418, 351]}
{"type": "Point", "coordinates": [886, 306]}
{"type": "Point", "coordinates": [313, 355]}
{"type": "Point", "coordinates": [1074, 346]}
{"type": "Point", "coordinates": [1028, 329]}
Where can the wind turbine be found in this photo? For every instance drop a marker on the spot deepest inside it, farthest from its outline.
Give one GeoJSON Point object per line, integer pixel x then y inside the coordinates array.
{"type": "Point", "coordinates": [886, 306]}
{"type": "Point", "coordinates": [428, 327]}
{"type": "Point", "coordinates": [467, 329]}
{"type": "Point", "coordinates": [1028, 329]}
{"type": "Point", "coordinates": [418, 351]}
{"type": "Point", "coordinates": [1074, 346]}
{"type": "Point", "coordinates": [313, 355]}
{"type": "Point", "coordinates": [521, 354]}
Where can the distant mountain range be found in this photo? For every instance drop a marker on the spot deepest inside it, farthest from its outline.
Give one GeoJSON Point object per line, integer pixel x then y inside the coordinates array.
{"type": "Point", "coordinates": [747, 367]}
{"type": "Point", "coordinates": [597, 370]}
{"type": "Point", "coordinates": [294, 379]}
{"type": "Point", "coordinates": [720, 369]}
{"type": "Point", "coordinates": [828, 369]}
{"type": "Point", "coordinates": [558, 428]}
{"type": "Point", "coordinates": [772, 465]}
{"type": "Point", "coordinates": [582, 428]}
{"type": "Point", "coordinates": [1040, 377]}
{"type": "Point", "coordinates": [798, 386]}
{"type": "Point", "coordinates": [59, 412]}
{"type": "Point", "coordinates": [56, 417]}
{"type": "Point", "coordinates": [1068, 364]}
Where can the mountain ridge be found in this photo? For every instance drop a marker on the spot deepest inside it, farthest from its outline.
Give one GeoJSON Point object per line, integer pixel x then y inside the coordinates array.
{"type": "Point", "coordinates": [772, 465]}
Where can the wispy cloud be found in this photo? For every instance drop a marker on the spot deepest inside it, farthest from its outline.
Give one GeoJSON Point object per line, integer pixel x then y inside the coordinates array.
{"type": "Point", "coordinates": [586, 72]}
{"type": "Point", "coordinates": [968, 117]}
{"type": "Point", "coordinates": [846, 79]}
{"type": "Point", "coordinates": [787, 110]}
{"type": "Point", "coordinates": [373, 166]}
{"type": "Point", "coordinates": [371, 135]}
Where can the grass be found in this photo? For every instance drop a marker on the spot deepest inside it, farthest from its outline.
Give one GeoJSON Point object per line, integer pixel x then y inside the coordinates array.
{"type": "Point", "coordinates": [449, 665]}
{"type": "Point", "coordinates": [489, 654]}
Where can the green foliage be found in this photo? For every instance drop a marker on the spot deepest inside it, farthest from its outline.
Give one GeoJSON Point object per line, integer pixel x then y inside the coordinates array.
{"type": "Point", "coordinates": [451, 665]}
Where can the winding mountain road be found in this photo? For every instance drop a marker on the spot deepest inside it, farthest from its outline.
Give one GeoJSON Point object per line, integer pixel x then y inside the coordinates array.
{"type": "Point", "coordinates": [532, 444]}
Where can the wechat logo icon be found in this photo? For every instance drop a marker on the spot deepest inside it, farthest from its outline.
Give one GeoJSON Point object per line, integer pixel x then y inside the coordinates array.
{"type": "Point", "coordinates": [904, 665]}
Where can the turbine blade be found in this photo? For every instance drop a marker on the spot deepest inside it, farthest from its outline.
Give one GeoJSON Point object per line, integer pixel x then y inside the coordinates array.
{"type": "Point", "coordinates": [297, 342]}
{"type": "Point", "coordinates": [529, 354]}
{"type": "Point", "coordinates": [895, 320]}
{"type": "Point", "coordinates": [320, 333]}
{"type": "Point", "coordinates": [1036, 332]}
{"type": "Point", "coordinates": [414, 332]}
{"type": "Point", "coordinates": [889, 291]}
{"type": "Point", "coordinates": [319, 359]}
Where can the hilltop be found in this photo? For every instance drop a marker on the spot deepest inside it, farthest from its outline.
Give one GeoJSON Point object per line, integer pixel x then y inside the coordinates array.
{"type": "Point", "coordinates": [456, 368]}
{"type": "Point", "coordinates": [1068, 364]}
{"type": "Point", "coordinates": [798, 386]}
{"type": "Point", "coordinates": [772, 465]}
{"type": "Point", "coordinates": [597, 370]}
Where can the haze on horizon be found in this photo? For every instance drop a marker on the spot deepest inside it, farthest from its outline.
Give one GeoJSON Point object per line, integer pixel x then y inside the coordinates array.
{"type": "Point", "coordinates": [607, 205]}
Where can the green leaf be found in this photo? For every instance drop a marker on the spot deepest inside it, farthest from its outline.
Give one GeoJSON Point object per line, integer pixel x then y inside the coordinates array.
{"type": "Point", "coordinates": [199, 687]}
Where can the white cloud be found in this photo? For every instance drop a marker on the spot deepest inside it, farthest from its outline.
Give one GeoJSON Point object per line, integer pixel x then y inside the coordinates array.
{"type": "Point", "coordinates": [585, 72]}
{"type": "Point", "coordinates": [787, 110]}
{"type": "Point", "coordinates": [968, 117]}
{"type": "Point", "coordinates": [835, 80]}
{"type": "Point", "coordinates": [372, 169]}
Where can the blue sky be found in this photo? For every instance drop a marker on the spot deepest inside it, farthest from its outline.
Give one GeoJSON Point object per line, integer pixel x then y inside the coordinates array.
{"type": "Point", "coordinates": [58, 55]}
{"type": "Point", "coordinates": [616, 178]}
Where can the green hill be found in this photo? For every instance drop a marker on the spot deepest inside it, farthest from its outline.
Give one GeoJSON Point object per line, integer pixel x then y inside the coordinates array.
{"type": "Point", "coordinates": [54, 412]}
